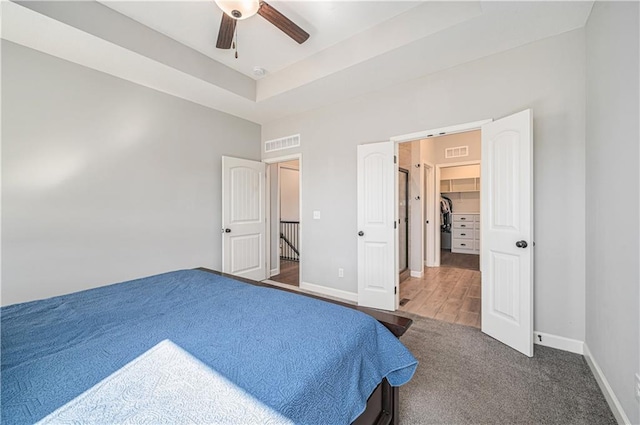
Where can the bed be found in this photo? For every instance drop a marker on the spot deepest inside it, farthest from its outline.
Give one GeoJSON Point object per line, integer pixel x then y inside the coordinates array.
{"type": "Point", "coordinates": [198, 346]}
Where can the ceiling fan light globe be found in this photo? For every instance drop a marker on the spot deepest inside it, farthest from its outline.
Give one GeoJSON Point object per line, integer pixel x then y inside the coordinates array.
{"type": "Point", "coordinates": [239, 9]}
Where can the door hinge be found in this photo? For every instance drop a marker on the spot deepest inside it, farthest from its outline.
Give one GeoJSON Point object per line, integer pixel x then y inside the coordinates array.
{"type": "Point", "coordinates": [395, 290]}
{"type": "Point", "coordinates": [395, 224]}
{"type": "Point", "coordinates": [395, 159]}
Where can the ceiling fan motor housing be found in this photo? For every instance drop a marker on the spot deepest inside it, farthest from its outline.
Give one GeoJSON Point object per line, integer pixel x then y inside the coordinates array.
{"type": "Point", "coordinates": [235, 10]}
{"type": "Point", "coordinates": [239, 9]}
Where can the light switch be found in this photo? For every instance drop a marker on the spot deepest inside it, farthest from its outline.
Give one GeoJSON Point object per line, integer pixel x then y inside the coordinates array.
{"type": "Point", "coordinates": [316, 215]}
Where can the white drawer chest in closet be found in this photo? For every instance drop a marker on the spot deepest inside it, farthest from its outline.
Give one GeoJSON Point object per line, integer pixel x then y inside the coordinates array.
{"type": "Point", "coordinates": [465, 237]}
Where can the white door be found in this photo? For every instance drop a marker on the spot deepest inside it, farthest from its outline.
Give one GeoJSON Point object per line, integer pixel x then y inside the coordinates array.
{"type": "Point", "coordinates": [243, 218]}
{"type": "Point", "coordinates": [377, 277]}
{"type": "Point", "coordinates": [507, 231]}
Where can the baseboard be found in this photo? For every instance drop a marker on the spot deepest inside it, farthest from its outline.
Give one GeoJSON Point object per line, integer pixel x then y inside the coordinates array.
{"type": "Point", "coordinates": [331, 292]}
{"type": "Point", "coordinates": [559, 342]}
{"type": "Point", "coordinates": [274, 272]}
{"type": "Point", "coordinates": [418, 274]}
{"type": "Point", "coordinates": [609, 395]}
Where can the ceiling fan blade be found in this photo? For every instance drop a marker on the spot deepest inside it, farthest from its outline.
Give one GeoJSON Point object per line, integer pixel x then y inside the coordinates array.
{"type": "Point", "coordinates": [282, 22]}
{"type": "Point", "coordinates": [225, 35]}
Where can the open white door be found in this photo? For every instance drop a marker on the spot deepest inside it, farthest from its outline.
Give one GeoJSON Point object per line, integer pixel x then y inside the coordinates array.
{"type": "Point", "coordinates": [377, 277]}
{"type": "Point", "coordinates": [244, 226]}
{"type": "Point", "coordinates": [507, 231]}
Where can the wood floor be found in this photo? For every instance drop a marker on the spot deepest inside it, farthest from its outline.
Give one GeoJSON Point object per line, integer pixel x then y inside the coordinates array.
{"type": "Point", "coordinates": [444, 293]}
{"type": "Point", "coordinates": [459, 261]}
{"type": "Point", "coordinates": [289, 273]}
{"type": "Point", "coordinates": [451, 294]}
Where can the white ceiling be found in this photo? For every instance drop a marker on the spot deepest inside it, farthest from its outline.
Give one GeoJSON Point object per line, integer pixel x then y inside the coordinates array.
{"type": "Point", "coordinates": [354, 47]}
{"type": "Point", "coordinates": [195, 24]}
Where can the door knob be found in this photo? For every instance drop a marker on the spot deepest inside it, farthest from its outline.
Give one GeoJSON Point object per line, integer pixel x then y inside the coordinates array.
{"type": "Point", "coordinates": [360, 233]}
{"type": "Point", "coordinates": [522, 244]}
{"type": "Point", "coordinates": [227, 230]}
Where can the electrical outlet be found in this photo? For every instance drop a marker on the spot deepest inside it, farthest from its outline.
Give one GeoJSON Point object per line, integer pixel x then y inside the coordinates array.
{"type": "Point", "coordinates": [638, 386]}
{"type": "Point", "coordinates": [340, 272]}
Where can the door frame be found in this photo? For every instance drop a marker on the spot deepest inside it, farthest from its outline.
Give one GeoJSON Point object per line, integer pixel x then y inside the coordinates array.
{"type": "Point", "coordinates": [436, 198]}
{"type": "Point", "coordinates": [277, 160]}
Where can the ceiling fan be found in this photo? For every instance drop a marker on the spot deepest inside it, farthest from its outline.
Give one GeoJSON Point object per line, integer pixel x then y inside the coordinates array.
{"type": "Point", "coordinates": [235, 10]}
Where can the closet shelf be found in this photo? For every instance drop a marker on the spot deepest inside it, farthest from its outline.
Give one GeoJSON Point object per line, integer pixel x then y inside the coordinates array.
{"type": "Point", "coordinates": [471, 184]}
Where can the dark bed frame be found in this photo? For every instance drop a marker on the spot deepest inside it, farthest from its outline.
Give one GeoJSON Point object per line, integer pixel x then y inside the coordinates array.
{"type": "Point", "coordinates": [384, 403]}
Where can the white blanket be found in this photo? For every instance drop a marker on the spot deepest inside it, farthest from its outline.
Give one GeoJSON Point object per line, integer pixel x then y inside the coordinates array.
{"type": "Point", "coordinates": [165, 385]}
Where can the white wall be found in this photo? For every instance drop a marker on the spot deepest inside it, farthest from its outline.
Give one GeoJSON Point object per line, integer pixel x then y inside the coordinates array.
{"type": "Point", "coordinates": [612, 197]}
{"type": "Point", "coordinates": [104, 180]}
{"type": "Point", "coordinates": [547, 76]}
{"type": "Point", "coordinates": [289, 193]}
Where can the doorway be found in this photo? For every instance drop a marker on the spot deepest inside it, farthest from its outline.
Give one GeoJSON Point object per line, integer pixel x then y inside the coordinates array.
{"type": "Point", "coordinates": [450, 287]}
{"type": "Point", "coordinates": [284, 221]}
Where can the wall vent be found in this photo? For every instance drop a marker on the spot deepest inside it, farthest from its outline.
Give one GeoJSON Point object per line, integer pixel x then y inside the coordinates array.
{"type": "Point", "coordinates": [456, 152]}
{"type": "Point", "coordinates": [282, 143]}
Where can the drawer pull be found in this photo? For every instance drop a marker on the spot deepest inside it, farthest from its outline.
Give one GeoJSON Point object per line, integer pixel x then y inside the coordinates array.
{"type": "Point", "coordinates": [463, 225]}
{"type": "Point", "coordinates": [463, 234]}
{"type": "Point", "coordinates": [463, 218]}
{"type": "Point", "coordinates": [463, 244]}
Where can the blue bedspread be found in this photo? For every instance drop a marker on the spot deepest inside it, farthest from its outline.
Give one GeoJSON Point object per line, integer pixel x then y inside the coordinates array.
{"type": "Point", "coordinates": [312, 361]}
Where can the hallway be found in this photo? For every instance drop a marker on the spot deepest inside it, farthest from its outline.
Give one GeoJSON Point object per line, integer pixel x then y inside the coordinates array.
{"type": "Point", "coordinates": [289, 273]}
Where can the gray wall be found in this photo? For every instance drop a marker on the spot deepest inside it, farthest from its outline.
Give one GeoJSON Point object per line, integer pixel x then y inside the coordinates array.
{"type": "Point", "coordinates": [612, 197]}
{"type": "Point", "coordinates": [547, 76]}
{"type": "Point", "coordinates": [104, 180]}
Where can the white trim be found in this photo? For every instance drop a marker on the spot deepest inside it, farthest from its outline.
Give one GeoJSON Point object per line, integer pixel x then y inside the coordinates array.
{"type": "Point", "coordinates": [332, 292]}
{"type": "Point", "coordinates": [609, 395]}
{"type": "Point", "coordinates": [417, 274]}
{"type": "Point", "coordinates": [283, 158]}
{"type": "Point", "coordinates": [442, 131]}
{"type": "Point", "coordinates": [458, 164]}
{"type": "Point", "coordinates": [429, 214]}
{"type": "Point", "coordinates": [274, 272]}
{"type": "Point", "coordinates": [559, 342]}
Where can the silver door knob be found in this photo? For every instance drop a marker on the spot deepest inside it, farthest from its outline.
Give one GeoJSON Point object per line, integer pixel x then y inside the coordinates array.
{"type": "Point", "coordinates": [522, 244]}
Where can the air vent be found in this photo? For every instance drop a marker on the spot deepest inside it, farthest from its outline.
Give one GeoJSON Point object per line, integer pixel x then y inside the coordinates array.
{"type": "Point", "coordinates": [456, 152]}
{"type": "Point", "coordinates": [282, 143]}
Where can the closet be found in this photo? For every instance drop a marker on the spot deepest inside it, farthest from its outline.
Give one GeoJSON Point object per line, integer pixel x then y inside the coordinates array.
{"type": "Point", "coordinates": [460, 191]}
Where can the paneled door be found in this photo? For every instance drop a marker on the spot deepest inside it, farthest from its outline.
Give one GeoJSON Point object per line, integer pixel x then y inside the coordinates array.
{"type": "Point", "coordinates": [377, 253]}
{"type": "Point", "coordinates": [507, 231]}
{"type": "Point", "coordinates": [243, 218]}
